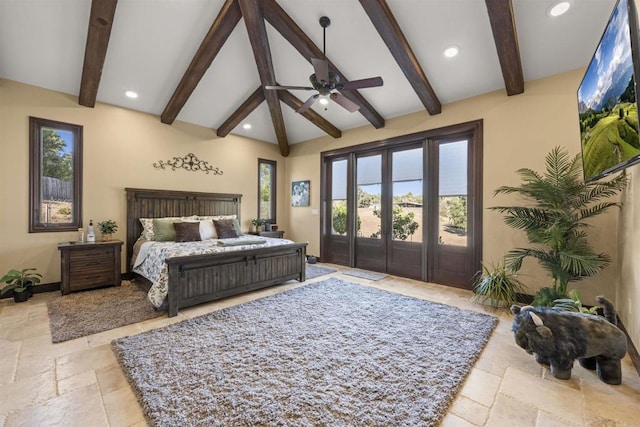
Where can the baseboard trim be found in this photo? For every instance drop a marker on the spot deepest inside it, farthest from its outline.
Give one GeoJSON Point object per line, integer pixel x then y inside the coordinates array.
{"type": "Point", "coordinates": [47, 287]}
{"type": "Point", "coordinates": [128, 276]}
{"type": "Point", "coordinates": [631, 348]}
{"type": "Point", "coordinates": [55, 286]}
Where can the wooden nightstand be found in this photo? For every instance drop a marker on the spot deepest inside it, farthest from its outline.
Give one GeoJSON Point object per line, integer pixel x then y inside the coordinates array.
{"type": "Point", "coordinates": [278, 234]}
{"type": "Point", "coordinates": [86, 265]}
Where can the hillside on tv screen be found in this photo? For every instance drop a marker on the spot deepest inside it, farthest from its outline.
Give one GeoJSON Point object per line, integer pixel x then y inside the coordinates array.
{"type": "Point", "coordinates": [607, 104]}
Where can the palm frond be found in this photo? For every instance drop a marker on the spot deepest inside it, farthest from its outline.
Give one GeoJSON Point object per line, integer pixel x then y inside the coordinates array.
{"type": "Point", "coordinates": [514, 257]}
{"type": "Point", "coordinates": [595, 210]}
{"type": "Point", "coordinates": [558, 165]}
{"type": "Point", "coordinates": [506, 190]}
{"type": "Point", "coordinates": [595, 192]}
{"type": "Point", "coordinates": [580, 264]}
{"type": "Point", "coordinates": [528, 175]}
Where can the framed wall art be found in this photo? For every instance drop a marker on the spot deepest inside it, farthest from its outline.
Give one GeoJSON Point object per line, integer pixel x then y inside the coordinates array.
{"type": "Point", "coordinates": [300, 193]}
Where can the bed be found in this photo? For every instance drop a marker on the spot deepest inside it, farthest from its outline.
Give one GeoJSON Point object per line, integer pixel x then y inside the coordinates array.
{"type": "Point", "coordinates": [196, 279]}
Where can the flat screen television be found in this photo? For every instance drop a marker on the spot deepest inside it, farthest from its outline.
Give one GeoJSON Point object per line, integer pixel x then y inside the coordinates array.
{"type": "Point", "coordinates": [607, 103]}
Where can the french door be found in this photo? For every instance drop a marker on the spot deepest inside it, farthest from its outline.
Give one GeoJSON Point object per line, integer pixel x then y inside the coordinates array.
{"type": "Point", "coordinates": [411, 209]}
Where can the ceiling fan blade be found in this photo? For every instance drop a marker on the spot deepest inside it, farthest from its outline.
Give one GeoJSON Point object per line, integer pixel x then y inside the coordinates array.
{"type": "Point", "coordinates": [308, 103]}
{"type": "Point", "coordinates": [361, 84]}
{"type": "Point", "coordinates": [345, 102]}
{"type": "Point", "coordinates": [289, 87]}
{"type": "Point", "coordinates": [321, 68]}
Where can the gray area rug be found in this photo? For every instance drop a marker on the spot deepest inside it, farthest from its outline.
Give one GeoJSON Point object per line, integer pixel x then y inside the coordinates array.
{"type": "Point", "coordinates": [331, 353]}
{"type": "Point", "coordinates": [371, 275]}
{"type": "Point", "coordinates": [314, 271]}
{"type": "Point", "coordinates": [89, 312]}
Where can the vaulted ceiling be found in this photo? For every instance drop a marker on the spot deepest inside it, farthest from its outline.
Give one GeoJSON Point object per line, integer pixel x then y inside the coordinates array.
{"type": "Point", "coordinates": [207, 61]}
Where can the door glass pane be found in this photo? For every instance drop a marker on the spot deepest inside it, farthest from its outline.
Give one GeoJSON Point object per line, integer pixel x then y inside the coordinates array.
{"type": "Point", "coordinates": [339, 197]}
{"type": "Point", "coordinates": [452, 191]}
{"type": "Point", "coordinates": [407, 195]}
{"type": "Point", "coordinates": [369, 191]}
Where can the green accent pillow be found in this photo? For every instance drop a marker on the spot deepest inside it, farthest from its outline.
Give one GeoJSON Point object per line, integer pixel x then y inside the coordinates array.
{"type": "Point", "coordinates": [236, 226]}
{"type": "Point", "coordinates": [164, 230]}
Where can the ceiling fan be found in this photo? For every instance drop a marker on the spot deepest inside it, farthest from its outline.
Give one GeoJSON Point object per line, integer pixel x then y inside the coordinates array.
{"type": "Point", "coordinates": [327, 83]}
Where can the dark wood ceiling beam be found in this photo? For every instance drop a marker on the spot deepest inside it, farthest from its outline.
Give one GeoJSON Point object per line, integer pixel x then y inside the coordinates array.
{"type": "Point", "coordinates": [253, 101]}
{"type": "Point", "coordinates": [254, 20]}
{"type": "Point", "coordinates": [218, 34]}
{"type": "Point", "coordinates": [95, 51]}
{"type": "Point", "coordinates": [283, 23]}
{"type": "Point", "coordinates": [506, 38]}
{"type": "Point", "coordinates": [391, 33]}
{"type": "Point", "coordinates": [311, 115]}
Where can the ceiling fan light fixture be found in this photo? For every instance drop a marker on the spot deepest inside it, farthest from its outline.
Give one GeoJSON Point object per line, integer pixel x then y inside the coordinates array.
{"type": "Point", "coordinates": [130, 94]}
{"type": "Point", "coordinates": [451, 51]}
{"type": "Point", "coordinates": [558, 8]}
{"type": "Point", "coordinates": [246, 126]}
{"type": "Point", "coordinates": [327, 84]}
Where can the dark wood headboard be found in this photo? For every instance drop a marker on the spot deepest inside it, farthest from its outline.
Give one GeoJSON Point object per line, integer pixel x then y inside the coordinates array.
{"type": "Point", "coordinates": [144, 203]}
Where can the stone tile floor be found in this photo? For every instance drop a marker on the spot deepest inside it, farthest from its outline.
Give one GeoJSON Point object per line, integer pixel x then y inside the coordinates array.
{"type": "Point", "coordinates": [79, 382]}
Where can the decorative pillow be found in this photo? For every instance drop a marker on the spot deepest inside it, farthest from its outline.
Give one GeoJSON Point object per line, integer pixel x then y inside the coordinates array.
{"type": "Point", "coordinates": [216, 217]}
{"type": "Point", "coordinates": [164, 230]}
{"type": "Point", "coordinates": [148, 232]}
{"type": "Point", "coordinates": [207, 230]}
{"type": "Point", "coordinates": [187, 231]}
{"type": "Point", "coordinates": [225, 229]}
{"type": "Point", "coordinates": [147, 229]}
{"type": "Point", "coordinates": [236, 226]}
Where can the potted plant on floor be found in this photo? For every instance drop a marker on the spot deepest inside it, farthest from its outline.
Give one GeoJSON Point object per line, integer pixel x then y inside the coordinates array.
{"type": "Point", "coordinates": [574, 303]}
{"type": "Point", "coordinates": [21, 282]}
{"type": "Point", "coordinates": [107, 228]}
{"type": "Point", "coordinates": [497, 285]}
{"type": "Point", "coordinates": [555, 221]}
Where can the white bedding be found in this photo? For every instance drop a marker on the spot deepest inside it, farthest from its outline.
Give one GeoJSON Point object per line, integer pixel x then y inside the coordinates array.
{"type": "Point", "coordinates": [151, 264]}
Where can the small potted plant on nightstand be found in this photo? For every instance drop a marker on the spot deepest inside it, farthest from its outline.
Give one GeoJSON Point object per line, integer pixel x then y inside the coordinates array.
{"type": "Point", "coordinates": [21, 282]}
{"type": "Point", "coordinates": [258, 225]}
{"type": "Point", "coordinates": [107, 228]}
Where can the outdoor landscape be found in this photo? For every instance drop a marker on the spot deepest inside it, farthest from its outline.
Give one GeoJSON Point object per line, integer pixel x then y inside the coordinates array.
{"type": "Point", "coordinates": [609, 136]}
{"type": "Point", "coordinates": [57, 175]}
{"type": "Point", "coordinates": [407, 218]}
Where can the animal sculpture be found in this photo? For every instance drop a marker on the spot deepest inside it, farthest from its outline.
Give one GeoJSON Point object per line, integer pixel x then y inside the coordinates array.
{"type": "Point", "coordinates": [557, 337]}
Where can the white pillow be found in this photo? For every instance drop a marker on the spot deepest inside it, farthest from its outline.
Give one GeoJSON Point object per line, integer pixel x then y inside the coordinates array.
{"type": "Point", "coordinates": [216, 217]}
{"type": "Point", "coordinates": [207, 230]}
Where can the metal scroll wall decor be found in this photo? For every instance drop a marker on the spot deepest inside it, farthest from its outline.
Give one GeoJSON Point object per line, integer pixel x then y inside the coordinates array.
{"type": "Point", "coordinates": [189, 162]}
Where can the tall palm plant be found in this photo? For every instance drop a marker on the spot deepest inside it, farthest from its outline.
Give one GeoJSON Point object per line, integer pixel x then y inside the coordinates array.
{"type": "Point", "coordinates": [555, 221]}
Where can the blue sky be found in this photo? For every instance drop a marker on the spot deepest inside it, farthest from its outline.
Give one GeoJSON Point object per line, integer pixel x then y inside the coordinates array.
{"type": "Point", "coordinates": [68, 138]}
{"type": "Point", "coordinates": [612, 59]}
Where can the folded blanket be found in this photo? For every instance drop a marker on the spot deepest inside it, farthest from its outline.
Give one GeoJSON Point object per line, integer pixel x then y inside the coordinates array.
{"type": "Point", "coordinates": [239, 242]}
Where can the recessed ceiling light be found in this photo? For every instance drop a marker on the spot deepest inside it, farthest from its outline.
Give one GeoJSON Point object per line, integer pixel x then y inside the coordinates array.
{"type": "Point", "coordinates": [246, 126]}
{"type": "Point", "coordinates": [130, 94]}
{"type": "Point", "coordinates": [451, 51]}
{"type": "Point", "coordinates": [559, 8]}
